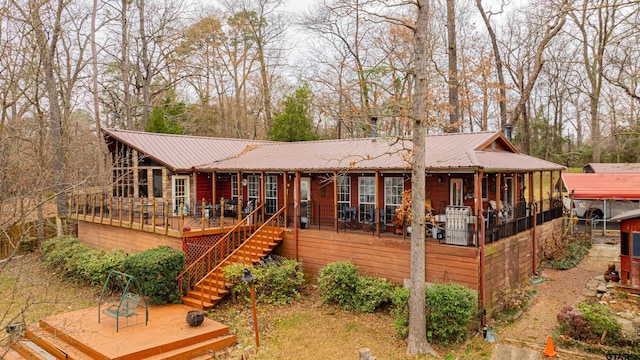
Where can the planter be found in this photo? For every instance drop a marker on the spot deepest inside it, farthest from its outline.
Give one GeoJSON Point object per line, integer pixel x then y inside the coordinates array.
{"type": "Point", "coordinates": [195, 317]}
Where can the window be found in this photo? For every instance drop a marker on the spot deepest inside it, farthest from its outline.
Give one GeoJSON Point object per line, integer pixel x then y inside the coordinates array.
{"type": "Point", "coordinates": [366, 196]}
{"type": "Point", "coordinates": [508, 191]}
{"type": "Point", "coordinates": [456, 193]}
{"type": "Point", "coordinates": [393, 188]}
{"type": "Point", "coordinates": [143, 188]}
{"type": "Point", "coordinates": [271, 194]}
{"type": "Point", "coordinates": [485, 188]}
{"type": "Point", "coordinates": [253, 188]}
{"type": "Point", "coordinates": [234, 188]}
{"type": "Point", "coordinates": [157, 183]}
{"type": "Point", "coordinates": [344, 193]}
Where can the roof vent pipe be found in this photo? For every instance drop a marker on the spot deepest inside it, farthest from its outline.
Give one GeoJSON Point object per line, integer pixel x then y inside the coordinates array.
{"type": "Point", "coordinates": [508, 130]}
{"type": "Point", "coordinates": [374, 130]}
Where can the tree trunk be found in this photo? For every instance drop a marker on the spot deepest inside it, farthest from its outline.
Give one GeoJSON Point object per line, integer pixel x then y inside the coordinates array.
{"type": "Point", "coordinates": [145, 71]}
{"type": "Point", "coordinates": [125, 120]}
{"type": "Point", "coordinates": [94, 66]}
{"type": "Point", "coordinates": [502, 101]}
{"type": "Point", "coordinates": [454, 113]}
{"type": "Point", "coordinates": [417, 339]}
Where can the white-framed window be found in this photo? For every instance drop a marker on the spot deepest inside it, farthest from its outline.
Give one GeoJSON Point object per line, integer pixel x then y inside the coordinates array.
{"type": "Point", "coordinates": [366, 196]}
{"type": "Point", "coordinates": [456, 192]}
{"type": "Point", "coordinates": [344, 193]}
{"type": "Point", "coordinates": [253, 188]}
{"type": "Point", "coordinates": [271, 194]}
{"type": "Point", "coordinates": [393, 189]}
{"type": "Point", "coordinates": [507, 195]}
{"type": "Point", "coordinates": [234, 187]}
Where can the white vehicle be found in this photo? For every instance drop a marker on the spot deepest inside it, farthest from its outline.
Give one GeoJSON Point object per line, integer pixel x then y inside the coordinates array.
{"type": "Point", "coordinates": [596, 209]}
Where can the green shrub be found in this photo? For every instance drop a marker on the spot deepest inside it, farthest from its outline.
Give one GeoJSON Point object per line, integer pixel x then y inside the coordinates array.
{"type": "Point", "coordinates": [337, 284]}
{"type": "Point", "coordinates": [156, 271]}
{"type": "Point", "coordinates": [601, 321]}
{"type": "Point", "coordinates": [80, 262]}
{"type": "Point", "coordinates": [400, 311]}
{"type": "Point", "coordinates": [371, 293]}
{"type": "Point", "coordinates": [276, 281]}
{"type": "Point", "coordinates": [283, 280]}
{"type": "Point", "coordinates": [56, 251]}
{"type": "Point", "coordinates": [449, 308]}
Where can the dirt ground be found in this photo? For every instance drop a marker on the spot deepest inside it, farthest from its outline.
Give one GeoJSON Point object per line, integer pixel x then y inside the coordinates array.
{"type": "Point", "coordinates": [561, 288]}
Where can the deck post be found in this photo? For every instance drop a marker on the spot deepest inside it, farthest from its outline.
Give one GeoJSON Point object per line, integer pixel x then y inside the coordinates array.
{"type": "Point", "coordinates": [335, 200]}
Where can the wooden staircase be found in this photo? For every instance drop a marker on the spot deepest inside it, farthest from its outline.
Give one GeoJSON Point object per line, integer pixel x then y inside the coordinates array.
{"type": "Point", "coordinates": [203, 281]}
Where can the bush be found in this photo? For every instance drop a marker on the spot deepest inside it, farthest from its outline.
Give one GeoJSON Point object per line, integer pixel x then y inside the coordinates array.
{"type": "Point", "coordinates": [156, 271]}
{"type": "Point", "coordinates": [400, 311]}
{"type": "Point", "coordinates": [337, 284]}
{"type": "Point", "coordinates": [601, 321]}
{"type": "Point", "coordinates": [589, 322]}
{"type": "Point", "coordinates": [371, 293]}
{"type": "Point", "coordinates": [576, 250]}
{"type": "Point", "coordinates": [276, 281]}
{"type": "Point", "coordinates": [79, 261]}
{"type": "Point", "coordinates": [449, 308]}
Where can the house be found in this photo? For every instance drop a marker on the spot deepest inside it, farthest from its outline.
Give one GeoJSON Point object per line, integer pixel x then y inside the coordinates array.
{"type": "Point", "coordinates": [332, 200]}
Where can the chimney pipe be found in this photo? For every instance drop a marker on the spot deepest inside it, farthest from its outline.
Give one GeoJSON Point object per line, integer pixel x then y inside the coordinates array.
{"type": "Point", "coordinates": [374, 130]}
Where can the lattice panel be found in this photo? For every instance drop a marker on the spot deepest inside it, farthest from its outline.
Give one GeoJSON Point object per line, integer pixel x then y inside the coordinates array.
{"type": "Point", "coordinates": [196, 246]}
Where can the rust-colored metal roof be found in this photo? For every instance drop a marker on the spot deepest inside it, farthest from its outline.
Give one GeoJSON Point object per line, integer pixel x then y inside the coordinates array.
{"type": "Point", "coordinates": [602, 186]}
{"type": "Point", "coordinates": [444, 152]}
{"type": "Point", "coordinates": [181, 152]}
{"type": "Point", "coordinates": [612, 168]}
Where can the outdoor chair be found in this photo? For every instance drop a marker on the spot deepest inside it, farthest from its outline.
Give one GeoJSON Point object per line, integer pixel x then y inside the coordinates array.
{"type": "Point", "coordinates": [127, 307]}
{"type": "Point", "coordinates": [347, 218]}
{"type": "Point", "coordinates": [370, 224]}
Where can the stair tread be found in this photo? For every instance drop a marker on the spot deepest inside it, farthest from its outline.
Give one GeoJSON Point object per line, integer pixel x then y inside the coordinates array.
{"type": "Point", "coordinates": [72, 351]}
{"type": "Point", "coordinates": [196, 303]}
{"type": "Point", "coordinates": [192, 350]}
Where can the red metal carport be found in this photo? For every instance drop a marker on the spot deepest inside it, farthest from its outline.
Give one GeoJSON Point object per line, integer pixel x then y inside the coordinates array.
{"type": "Point", "coordinates": [602, 186]}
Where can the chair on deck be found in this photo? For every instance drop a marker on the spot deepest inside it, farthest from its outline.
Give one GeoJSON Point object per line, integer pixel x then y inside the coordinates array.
{"type": "Point", "coordinates": [347, 218]}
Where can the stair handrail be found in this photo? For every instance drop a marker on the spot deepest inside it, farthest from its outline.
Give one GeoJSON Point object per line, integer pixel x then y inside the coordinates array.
{"type": "Point", "coordinates": [205, 258]}
{"type": "Point", "coordinates": [275, 218]}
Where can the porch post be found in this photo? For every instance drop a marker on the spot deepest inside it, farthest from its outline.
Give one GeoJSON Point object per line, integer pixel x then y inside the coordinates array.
{"type": "Point", "coordinates": [240, 197]}
{"type": "Point", "coordinates": [335, 200]}
{"type": "Point", "coordinates": [376, 211]}
{"type": "Point", "coordinates": [296, 209]}
{"type": "Point", "coordinates": [498, 190]}
{"type": "Point", "coordinates": [262, 194]}
{"type": "Point", "coordinates": [214, 196]}
{"type": "Point", "coordinates": [541, 207]}
{"type": "Point", "coordinates": [285, 182]}
{"type": "Point", "coordinates": [550, 189]}
{"type": "Point", "coordinates": [531, 199]}
{"type": "Point", "coordinates": [136, 192]}
{"type": "Point", "coordinates": [477, 196]}
{"type": "Point", "coordinates": [481, 238]}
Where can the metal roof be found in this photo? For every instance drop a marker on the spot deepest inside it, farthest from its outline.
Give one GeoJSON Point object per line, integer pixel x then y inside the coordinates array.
{"type": "Point", "coordinates": [181, 152]}
{"type": "Point", "coordinates": [612, 168]}
{"type": "Point", "coordinates": [602, 186]}
{"type": "Point", "coordinates": [631, 214]}
{"type": "Point", "coordinates": [444, 152]}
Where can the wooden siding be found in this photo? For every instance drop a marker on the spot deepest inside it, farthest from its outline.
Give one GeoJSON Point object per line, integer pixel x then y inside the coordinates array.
{"type": "Point", "coordinates": [203, 188]}
{"type": "Point", "coordinates": [130, 240]}
{"type": "Point", "coordinates": [383, 257]}
{"type": "Point", "coordinates": [509, 262]}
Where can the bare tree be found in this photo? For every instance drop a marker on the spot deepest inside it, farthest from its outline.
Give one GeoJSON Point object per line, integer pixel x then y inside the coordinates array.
{"type": "Point", "coordinates": [454, 115]}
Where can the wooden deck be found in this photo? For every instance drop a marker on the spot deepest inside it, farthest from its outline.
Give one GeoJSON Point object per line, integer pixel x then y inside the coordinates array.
{"type": "Point", "coordinates": [166, 336]}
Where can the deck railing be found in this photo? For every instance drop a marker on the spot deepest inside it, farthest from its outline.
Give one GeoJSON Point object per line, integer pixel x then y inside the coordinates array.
{"type": "Point", "coordinates": [224, 247]}
{"type": "Point", "coordinates": [205, 268]}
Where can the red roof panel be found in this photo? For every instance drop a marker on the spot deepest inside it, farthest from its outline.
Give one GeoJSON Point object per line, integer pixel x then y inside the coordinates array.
{"type": "Point", "coordinates": [603, 186]}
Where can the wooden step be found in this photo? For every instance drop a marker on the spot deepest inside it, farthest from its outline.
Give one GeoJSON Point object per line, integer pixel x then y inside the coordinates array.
{"type": "Point", "coordinates": [214, 290]}
{"type": "Point", "coordinates": [205, 348]}
{"type": "Point", "coordinates": [196, 294]}
{"type": "Point", "coordinates": [196, 303]}
{"type": "Point", "coordinates": [56, 346]}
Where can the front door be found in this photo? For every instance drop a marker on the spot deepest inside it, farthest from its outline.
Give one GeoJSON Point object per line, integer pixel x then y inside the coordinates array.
{"type": "Point", "coordinates": [180, 198]}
